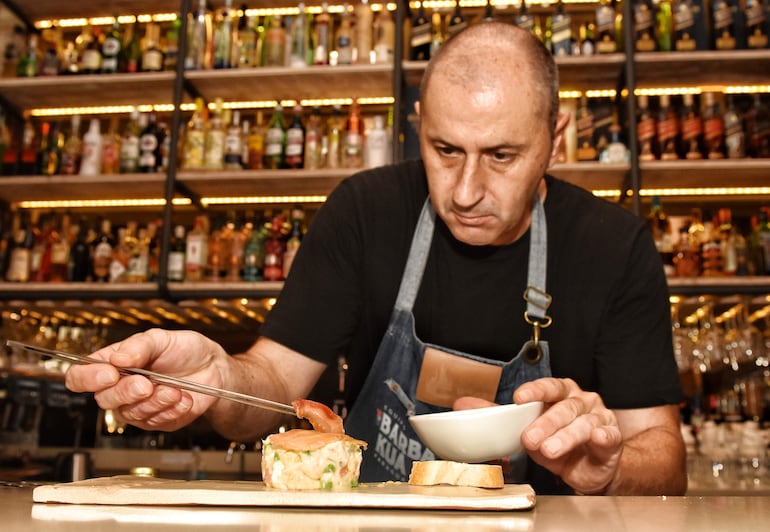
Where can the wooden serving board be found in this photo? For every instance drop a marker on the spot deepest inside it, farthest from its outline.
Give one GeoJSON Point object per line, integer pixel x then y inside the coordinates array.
{"type": "Point", "coordinates": [133, 490]}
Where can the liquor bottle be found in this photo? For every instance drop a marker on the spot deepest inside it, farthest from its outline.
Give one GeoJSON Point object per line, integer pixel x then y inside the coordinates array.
{"type": "Point", "coordinates": [40, 260]}
{"type": "Point", "coordinates": [713, 127]}
{"type": "Point", "coordinates": [215, 263]}
{"type": "Point", "coordinates": [194, 144]}
{"type": "Point", "coordinates": [691, 125]}
{"type": "Point", "coordinates": [233, 148]}
{"type": "Point", "coordinates": [299, 40]}
{"type": "Point", "coordinates": [586, 127]}
{"type": "Point", "coordinates": [343, 40]}
{"type": "Point", "coordinates": [684, 27]}
{"type": "Point", "coordinates": [456, 22]}
{"type": "Point", "coordinates": [111, 45]}
{"type": "Point", "coordinates": [334, 129]}
{"type": "Point", "coordinates": [758, 129]}
{"type": "Point", "coordinates": [295, 141]}
{"type": "Point", "coordinates": [149, 145]}
{"type": "Point", "coordinates": [101, 252]}
{"type": "Point", "coordinates": [645, 130]}
{"type": "Point", "coordinates": [214, 144]}
{"type": "Point", "coordinates": [91, 52]}
{"type": "Point", "coordinates": [364, 21]}
{"type": "Point", "coordinates": [586, 39]}
{"type": "Point", "coordinates": [129, 143]}
{"type": "Point", "coordinates": [377, 144]}
{"type": "Point", "coordinates": [152, 56]}
{"type": "Point", "coordinates": [664, 26]}
{"type": "Point", "coordinates": [176, 255]}
{"type": "Point", "coordinates": [20, 254]}
{"type": "Point", "coordinates": [138, 267]}
{"type": "Point", "coordinates": [73, 149]}
{"type": "Point", "coordinates": [384, 37]}
{"type": "Point", "coordinates": [314, 140]}
{"type": "Point", "coordinates": [723, 25]}
{"type": "Point", "coordinates": [256, 144]}
{"type": "Point", "coordinates": [199, 37]}
{"type": "Point", "coordinates": [353, 138]}
{"type": "Point", "coordinates": [48, 153]}
{"type": "Point", "coordinates": [436, 32]}
{"type": "Point", "coordinates": [51, 63]}
{"type": "Point", "coordinates": [561, 31]}
{"type": "Point", "coordinates": [296, 234]}
{"type": "Point", "coordinates": [171, 50]}
{"type": "Point", "coordinates": [420, 32]}
{"type": "Point", "coordinates": [644, 26]}
{"type": "Point", "coordinates": [661, 229]}
{"type": "Point", "coordinates": [131, 54]}
{"type": "Point", "coordinates": [735, 136]}
{"type": "Point", "coordinates": [111, 149]}
{"type": "Point", "coordinates": [196, 251]}
{"type": "Point", "coordinates": [13, 51]}
{"type": "Point", "coordinates": [668, 129]}
{"type": "Point", "coordinates": [489, 12]}
{"type": "Point", "coordinates": [223, 36]}
{"type": "Point", "coordinates": [321, 39]}
{"type": "Point", "coordinates": [275, 248]}
{"type": "Point", "coordinates": [756, 30]}
{"type": "Point", "coordinates": [248, 41]}
{"type": "Point", "coordinates": [605, 28]}
{"type": "Point", "coordinates": [91, 162]}
{"type": "Point", "coordinates": [254, 254]}
{"type": "Point", "coordinates": [29, 148]}
{"type": "Point", "coordinates": [274, 50]}
{"type": "Point", "coordinates": [61, 246]}
{"type": "Point", "coordinates": [80, 255]}
{"type": "Point", "coordinates": [27, 66]}
{"type": "Point", "coordinates": [275, 140]}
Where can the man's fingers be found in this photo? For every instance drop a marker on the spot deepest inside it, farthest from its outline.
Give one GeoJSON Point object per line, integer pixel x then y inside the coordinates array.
{"type": "Point", "coordinates": [469, 403]}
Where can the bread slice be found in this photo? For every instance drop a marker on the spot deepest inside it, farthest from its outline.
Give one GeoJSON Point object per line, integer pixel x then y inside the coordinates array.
{"type": "Point", "coordinates": [432, 472]}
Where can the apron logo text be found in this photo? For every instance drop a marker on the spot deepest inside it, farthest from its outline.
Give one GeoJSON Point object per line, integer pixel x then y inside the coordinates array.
{"type": "Point", "coordinates": [394, 447]}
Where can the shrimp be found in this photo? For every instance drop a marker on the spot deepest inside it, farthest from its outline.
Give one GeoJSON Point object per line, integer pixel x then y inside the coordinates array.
{"type": "Point", "coordinates": [319, 415]}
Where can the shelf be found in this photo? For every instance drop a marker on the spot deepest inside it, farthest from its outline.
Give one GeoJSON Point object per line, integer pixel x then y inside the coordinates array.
{"type": "Point", "coordinates": [601, 71]}
{"type": "Point", "coordinates": [592, 175]}
{"type": "Point", "coordinates": [269, 83]}
{"type": "Point", "coordinates": [263, 182]}
{"type": "Point", "coordinates": [719, 285]}
{"type": "Point", "coordinates": [35, 10]}
{"type": "Point", "coordinates": [115, 186]}
{"type": "Point", "coordinates": [251, 290]}
{"type": "Point", "coordinates": [88, 90]}
{"type": "Point", "coordinates": [85, 291]}
{"type": "Point", "coordinates": [707, 67]}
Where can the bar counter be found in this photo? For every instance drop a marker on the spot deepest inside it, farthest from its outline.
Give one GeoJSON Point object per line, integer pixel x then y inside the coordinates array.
{"type": "Point", "coordinates": [671, 514]}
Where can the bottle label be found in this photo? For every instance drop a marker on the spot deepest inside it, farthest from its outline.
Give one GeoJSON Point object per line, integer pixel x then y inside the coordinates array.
{"type": "Point", "coordinates": [92, 59]}
{"type": "Point", "coordinates": [274, 142]}
{"type": "Point", "coordinates": [196, 251]}
{"type": "Point", "coordinates": [295, 141]}
{"type": "Point", "coordinates": [19, 265]}
{"type": "Point", "coordinates": [176, 261]}
{"type": "Point", "coordinates": [152, 60]}
{"type": "Point", "coordinates": [684, 27]}
{"type": "Point", "coordinates": [643, 28]}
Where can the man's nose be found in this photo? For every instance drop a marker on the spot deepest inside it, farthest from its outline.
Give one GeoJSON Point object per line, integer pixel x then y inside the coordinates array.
{"type": "Point", "coordinates": [469, 188]}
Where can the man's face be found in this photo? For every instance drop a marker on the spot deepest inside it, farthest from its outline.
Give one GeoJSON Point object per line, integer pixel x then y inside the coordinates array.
{"type": "Point", "coordinates": [485, 152]}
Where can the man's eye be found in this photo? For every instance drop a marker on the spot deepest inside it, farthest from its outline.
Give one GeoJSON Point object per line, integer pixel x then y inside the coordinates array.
{"type": "Point", "coordinates": [445, 150]}
{"type": "Point", "coordinates": [501, 156]}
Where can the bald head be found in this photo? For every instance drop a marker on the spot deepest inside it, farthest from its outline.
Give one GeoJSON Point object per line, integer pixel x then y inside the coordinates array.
{"type": "Point", "coordinates": [487, 54]}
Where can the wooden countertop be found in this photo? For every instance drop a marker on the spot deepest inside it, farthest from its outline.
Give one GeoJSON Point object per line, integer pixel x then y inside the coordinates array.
{"type": "Point", "coordinates": [576, 514]}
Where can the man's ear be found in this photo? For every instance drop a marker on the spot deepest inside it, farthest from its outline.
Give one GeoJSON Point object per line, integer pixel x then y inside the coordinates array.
{"type": "Point", "coordinates": [417, 107]}
{"type": "Point", "coordinates": [562, 121]}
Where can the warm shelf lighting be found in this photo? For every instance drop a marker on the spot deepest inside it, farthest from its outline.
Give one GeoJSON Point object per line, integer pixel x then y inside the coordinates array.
{"type": "Point", "coordinates": [699, 191]}
{"type": "Point", "coordinates": [96, 204]}
{"type": "Point", "coordinates": [261, 200]}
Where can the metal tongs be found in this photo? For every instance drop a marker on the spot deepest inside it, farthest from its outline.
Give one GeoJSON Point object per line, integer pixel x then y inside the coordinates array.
{"type": "Point", "coordinates": [166, 380]}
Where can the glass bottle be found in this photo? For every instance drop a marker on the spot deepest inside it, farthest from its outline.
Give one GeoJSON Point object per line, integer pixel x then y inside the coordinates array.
{"type": "Point", "coordinates": [664, 26]}
{"type": "Point", "coordinates": [47, 155]}
{"type": "Point", "coordinates": [321, 40]}
{"type": "Point", "coordinates": [295, 141]}
{"type": "Point", "coordinates": [561, 31]}
{"type": "Point", "coordinates": [194, 144]}
{"type": "Point", "coordinates": [223, 36]}
{"type": "Point", "coordinates": [91, 52]}
{"type": "Point", "coordinates": [586, 128]}
{"type": "Point", "coordinates": [343, 40]}
{"type": "Point", "coordinates": [644, 26]}
{"type": "Point", "coordinates": [131, 53]}
{"type": "Point", "coordinates": [419, 45]}
{"type": "Point", "coordinates": [27, 66]}
{"type": "Point", "coordinates": [353, 139]}
{"type": "Point", "coordinates": [489, 12]}
{"type": "Point", "coordinates": [274, 50]}
{"type": "Point", "coordinates": [20, 254]}
{"type": "Point", "coordinates": [713, 127]}
{"type": "Point", "coordinates": [80, 254]}
{"type": "Point", "coordinates": [129, 143]}
{"type": "Point", "coordinates": [214, 154]}
{"type": "Point", "coordinates": [384, 37]}
{"type": "Point", "coordinates": [756, 31]}
{"type": "Point", "coordinates": [171, 49]}
{"type": "Point", "coordinates": [248, 41]}
{"type": "Point", "coordinates": [91, 161]}
{"type": "Point", "coordinates": [668, 129]}
{"type": "Point", "coordinates": [275, 247]}
{"type": "Point", "coordinates": [233, 145]}
{"type": "Point", "coordinates": [61, 245]}
{"type": "Point", "coordinates": [101, 252]}
{"type": "Point", "coordinates": [111, 45]}
{"type": "Point", "coordinates": [111, 149]}
{"type": "Point", "coordinates": [735, 136]}
{"type": "Point", "coordinates": [691, 129]}
{"type": "Point", "coordinates": [73, 149]}
{"type": "Point", "coordinates": [364, 22]}
{"type": "Point", "coordinates": [758, 129]}
{"type": "Point", "coordinates": [646, 127]}
{"type": "Point", "coordinates": [605, 28]}
{"type": "Point", "coordinates": [254, 254]}
{"type": "Point", "coordinates": [199, 37]}
{"type": "Point", "coordinates": [152, 56]}
{"type": "Point", "coordinates": [314, 140]}
{"type": "Point", "coordinates": [275, 140]}
{"type": "Point", "coordinates": [196, 251]}
{"type": "Point", "coordinates": [256, 144]}
{"type": "Point", "coordinates": [296, 234]}
{"type": "Point", "coordinates": [524, 19]}
{"type": "Point", "coordinates": [299, 40]}
{"type": "Point", "coordinates": [334, 130]}
{"type": "Point", "coordinates": [150, 157]}
{"type": "Point", "coordinates": [176, 255]}
{"type": "Point", "coordinates": [722, 25]}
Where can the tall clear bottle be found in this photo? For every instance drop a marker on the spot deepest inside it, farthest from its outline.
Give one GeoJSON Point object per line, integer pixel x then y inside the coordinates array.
{"type": "Point", "coordinates": [233, 150]}
{"type": "Point", "coordinates": [91, 163]}
{"type": "Point", "coordinates": [223, 37]}
{"type": "Point", "coordinates": [322, 37]}
{"type": "Point", "coordinates": [150, 157]}
{"type": "Point", "coordinates": [194, 145]}
{"type": "Point", "coordinates": [129, 144]}
{"type": "Point", "coordinates": [111, 45]}
{"type": "Point", "coordinates": [214, 154]}
{"type": "Point", "coordinates": [199, 38]}
{"type": "Point", "coordinates": [299, 39]}
{"type": "Point", "coordinates": [364, 22]}
{"type": "Point", "coordinates": [735, 134]}
{"type": "Point", "coordinates": [73, 149]}
{"type": "Point", "coordinates": [275, 140]}
{"type": "Point", "coordinates": [353, 138]}
{"type": "Point", "coordinates": [295, 141]}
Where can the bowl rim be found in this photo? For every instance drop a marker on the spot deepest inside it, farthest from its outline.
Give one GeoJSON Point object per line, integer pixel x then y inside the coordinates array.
{"type": "Point", "coordinates": [481, 410]}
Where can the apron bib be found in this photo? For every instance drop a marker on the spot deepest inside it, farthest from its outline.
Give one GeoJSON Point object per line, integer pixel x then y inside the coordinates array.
{"type": "Point", "coordinates": [390, 393]}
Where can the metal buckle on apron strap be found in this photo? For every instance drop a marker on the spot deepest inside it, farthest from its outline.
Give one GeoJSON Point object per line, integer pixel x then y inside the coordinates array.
{"type": "Point", "coordinates": [401, 395]}
{"type": "Point", "coordinates": [537, 301]}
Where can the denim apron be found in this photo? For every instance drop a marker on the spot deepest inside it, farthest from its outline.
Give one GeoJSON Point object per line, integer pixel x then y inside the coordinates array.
{"type": "Point", "coordinates": [388, 396]}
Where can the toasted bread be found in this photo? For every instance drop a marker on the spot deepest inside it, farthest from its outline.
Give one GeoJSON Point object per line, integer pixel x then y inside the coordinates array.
{"type": "Point", "coordinates": [432, 472]}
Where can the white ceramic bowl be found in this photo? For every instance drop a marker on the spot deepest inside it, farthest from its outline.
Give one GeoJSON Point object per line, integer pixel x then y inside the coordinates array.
{"type": "Point", "coordinates": [476, 435]}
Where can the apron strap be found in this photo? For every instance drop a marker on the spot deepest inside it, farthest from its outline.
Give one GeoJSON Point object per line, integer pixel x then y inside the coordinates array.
{"type": "Point", "coordinates": [418, 256]}
{"type": "Point", "coordinates": [537, 298]}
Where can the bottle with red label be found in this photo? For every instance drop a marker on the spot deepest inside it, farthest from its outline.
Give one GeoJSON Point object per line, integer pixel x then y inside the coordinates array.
{"type": "Point", "coordinates": [275, 248]}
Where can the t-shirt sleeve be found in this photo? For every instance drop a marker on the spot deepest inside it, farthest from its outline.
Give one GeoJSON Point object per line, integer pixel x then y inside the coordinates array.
{"type": "Point", "coordinates": [635, 362]}
{"type": "Point", "coordinates": [318, 307]}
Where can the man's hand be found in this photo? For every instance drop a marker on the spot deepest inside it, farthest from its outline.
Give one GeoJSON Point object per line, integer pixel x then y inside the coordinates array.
{"type": "Point", "coordinates": [577, 437]}
{"type": "Point", "coordinates": [137, 401]}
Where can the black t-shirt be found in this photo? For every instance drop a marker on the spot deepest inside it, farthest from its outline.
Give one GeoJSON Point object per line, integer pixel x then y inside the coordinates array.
{"type": "Point", "coordinates": [611, 329]}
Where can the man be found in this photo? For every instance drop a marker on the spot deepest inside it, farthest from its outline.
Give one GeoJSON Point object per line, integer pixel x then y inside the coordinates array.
{"type": "Point", "coordinates": [419, 293]}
